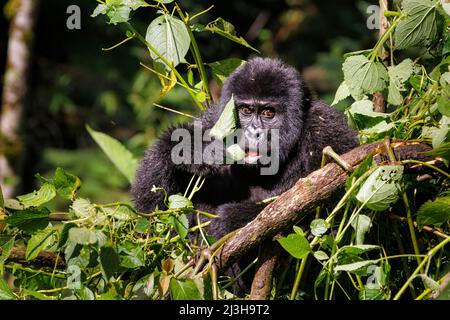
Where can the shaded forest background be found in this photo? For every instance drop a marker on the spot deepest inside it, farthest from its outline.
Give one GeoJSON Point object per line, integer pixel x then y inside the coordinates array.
{"type": "Point", "coordinates": [72, 82]}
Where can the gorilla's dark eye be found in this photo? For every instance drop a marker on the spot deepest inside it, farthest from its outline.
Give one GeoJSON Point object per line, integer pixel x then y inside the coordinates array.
{"type": "Point", "coordinates": [268, 113]}
{"type": "Point", "coordinates": [246, 110]}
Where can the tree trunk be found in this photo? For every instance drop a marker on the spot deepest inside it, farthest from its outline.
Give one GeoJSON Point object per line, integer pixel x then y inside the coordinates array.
{"type": "Point", "coordinates": [15, 89]}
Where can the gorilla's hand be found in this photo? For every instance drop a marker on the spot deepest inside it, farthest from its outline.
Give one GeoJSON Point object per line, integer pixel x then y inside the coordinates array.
{"type": "Point", "coordinates": [232, 216]}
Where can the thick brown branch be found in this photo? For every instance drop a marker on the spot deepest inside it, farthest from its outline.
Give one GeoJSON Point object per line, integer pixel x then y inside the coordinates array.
{"type": "Point", "coordinates": [262, 280]}
{"type": "Point", "coordinates": [308, 193]}
{"type": "Point", "coordinates": [44, 259]}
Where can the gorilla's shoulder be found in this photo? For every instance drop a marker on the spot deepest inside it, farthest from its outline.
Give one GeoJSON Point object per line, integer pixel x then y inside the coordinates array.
{"type": "Point", "coordinates": [328, 126]}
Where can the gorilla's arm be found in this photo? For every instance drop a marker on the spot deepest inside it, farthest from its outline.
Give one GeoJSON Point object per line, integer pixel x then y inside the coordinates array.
{"type": "Point", "coordinates": [158, 169]}
{"type": "Point", "coordinates": [324, 126]}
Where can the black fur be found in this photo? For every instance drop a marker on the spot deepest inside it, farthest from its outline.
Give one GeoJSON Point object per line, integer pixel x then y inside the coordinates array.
{"type": "Point", "coordinates": [231, 191]}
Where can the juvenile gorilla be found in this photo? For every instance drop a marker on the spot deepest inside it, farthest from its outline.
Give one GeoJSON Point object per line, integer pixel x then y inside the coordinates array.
{"type": "Point", "coordinates": [268, 95]}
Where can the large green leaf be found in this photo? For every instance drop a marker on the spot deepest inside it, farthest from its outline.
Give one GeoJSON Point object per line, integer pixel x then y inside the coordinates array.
{"type": "Point", "coordinates": [364, 76]}
{"type": "Point", "coordinates": [296, 245]}
{"type": "Point", "coordinates": [381, 189]}
{"type": "Point", "coordinates": [39, 241]}
{"type": "Point", "coordinates": [227, 123]}
{"type": "Point", "coordinates": [34, 199]}
{"type": "Point", "coordinates": [227, 30]}
{"type": "Point", "coordinates": [5, 291]}
{"type": "Point", "coordinates": [109, 261]}
{"type": "Point", "coordinates": [362, 116]}
{"type": "Point", "coordinates": [435, 212]}
{"type": "Point", "coordinates": [421, 25]}
{"type": "Point", "coordinates": [122, 158]}
{"type": "Point", "coordinates": [180, 223]}
{"type": "Point", "coordinates": [362, 225]}
{"type": "Point", "coordinates": [29, 220]}
{"type": "Point", "coordinates": [170, 37]}
{"type": "Point", "coordinates": [398, 75]}
{"type": "Point", "coordinates": [184, 290]}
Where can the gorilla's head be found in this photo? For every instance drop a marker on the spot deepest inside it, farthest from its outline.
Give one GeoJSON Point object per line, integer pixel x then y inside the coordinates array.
{"type": "Point", "coordinates": [268, 95]}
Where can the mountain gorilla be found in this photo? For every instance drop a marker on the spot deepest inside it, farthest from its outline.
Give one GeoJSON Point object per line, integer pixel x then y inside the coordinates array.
{"type": "Point", "coordinates": [268, 95]}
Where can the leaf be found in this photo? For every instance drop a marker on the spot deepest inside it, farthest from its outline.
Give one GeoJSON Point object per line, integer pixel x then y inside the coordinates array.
{"type": "Point", "coordinates": [64, 236]}
{"type": "Point", "coordinates": [46, 193]}
{"type": "Point", "coordinates": [446, 6]}
{"type": "Point", "coordinates": [177, 201]}
{"type": "Point", "coordinates": [118, 11]}
{"type": "Point", "coordinates": [319, 227]}
{"type": "Point", "coordinates": [356, 266]}
{"type": "Point", "coordinates": [362, 225]}
{"type": "Point", "coordinates": [442, 134]}
{"type": "Point", "coordinates": [222, 69]}
{"type": "Point", "coordinates": [371, 293]}
{"type": "Point", "coordinates": [341, 93]}
{"type": "Point", "coordinates": [122, 158]}
{"type": "Point", "coordinates": [181, 224]}
{"type": "Point", "coordinates": [380, 189]}
{"type": "Point", "coordinates": [109, 261]}
{"type": "Point", "coordinates": [142, 225]}
{"type": "Point", "coordinates": [40, 240]}
{"type": "Point", "coordinates": [320, 255]}
{"type": "Point", "coordinates": [29, 220]}
{"type": "Point", "coordinates": [82, 236]}
{"type": "Point", "coordinates": [227, 30]}
{"type": "Point", "coordinates": [364, 76]}
{"type": "Point", "coordinates": [227, 123]}
{"type": "Point", "coordinates": [361, 114]}
{"type": "Point", "coordinates": [356, 249]}
{"type": "Point", "coordinates": [434, 213]}
{"type": "Point", "coordinates": [377, 132]}
{"type": "Point", "coordinates": [296, 245]}
{"type": "Point", "coordinates": [398, 75]}
{"type": "Point", "coordinates": [236, 153]}
{"type": "Point", "coordinates": [420, 27]}
{"type": "Point", "coordinates": [6, 251]}
{"type": "Point", "coordinates": [428, 282]}
{"type": "Point", "coordinates": [169, 36]}
{"type": "Point", "coordinates": [5, 291]}
{"type": "Point", "coordinates": [184, 290]}
{"type": "Point", "coordinates": [66, 184]}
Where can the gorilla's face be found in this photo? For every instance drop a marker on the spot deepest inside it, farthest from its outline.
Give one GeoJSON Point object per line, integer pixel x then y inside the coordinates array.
{"type": "Point", "coordinates": [258, 119]}
{"type": "Point", "coordinates": [270, 98]}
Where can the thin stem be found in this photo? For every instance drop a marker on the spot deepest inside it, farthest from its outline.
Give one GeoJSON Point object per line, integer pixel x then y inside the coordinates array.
{"type": "Point", "coordinates": [298, 278]}
{"type": "Point", "coordinates": [411, 225]}
{"type": "Point", "coordinates": [429, 255]}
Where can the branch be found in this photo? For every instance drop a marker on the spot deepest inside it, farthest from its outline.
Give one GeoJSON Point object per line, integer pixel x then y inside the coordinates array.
{"type": "Point", "coordinates": [44, 259]}
{"type": "Point", "coordinates": [308, 193]}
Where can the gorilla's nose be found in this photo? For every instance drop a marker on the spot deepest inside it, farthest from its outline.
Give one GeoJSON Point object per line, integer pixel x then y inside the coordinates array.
{"type": "Point", "coordinates": [254, 134]}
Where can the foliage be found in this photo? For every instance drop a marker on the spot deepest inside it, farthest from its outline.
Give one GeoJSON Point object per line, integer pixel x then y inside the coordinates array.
{"type": "Point", "coordinates": [111, 251]}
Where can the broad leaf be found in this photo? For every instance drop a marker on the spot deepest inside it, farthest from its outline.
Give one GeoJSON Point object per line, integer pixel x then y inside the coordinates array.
{"type": "Point", "coordinates": [122, 158]}
{"type": "Point", "coordinates": [181, 224]}
{"type": "Point", "coordinates": [34, 199]}
{"type": "Point", "coordinates": [435, 212]}
{"type": "Point", "coordinates": [420, 27]}
{"type": "Point", "coordinates": [362, 225]}
{"type": "Point", "coordinates": [380, 189]}
{"type": "Point", "coordinates": [356, 266]}
{"type": "Point", "coordinates": [362, 116]}
{"type": "Point", "coordinates": [170, 37]}
{"type": "Point", "coordinates": [39, 241]}
{"type": "Point", "coordinates": [363, 76]}
{"type": "Point", "coordinates": [184, 290]}
{"type": "Point", "coordinates": [109, 261]}
{"type": "Point", "coordinates": [29, 220]}
{"type": "Point", "coordinates": [296, 245]}
{"type": "Point", "coordinates": [319, 227]}
{"type": "Point", "coordinates": [341, 93]}
{"type": "Point", "coordinates": [118, 11]}
{"type": "Point", "coordinates": [5, 291]}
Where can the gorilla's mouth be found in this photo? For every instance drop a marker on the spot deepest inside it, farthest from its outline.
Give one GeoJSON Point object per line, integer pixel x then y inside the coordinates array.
{"type": "Point", "coordinates": [251, 157]}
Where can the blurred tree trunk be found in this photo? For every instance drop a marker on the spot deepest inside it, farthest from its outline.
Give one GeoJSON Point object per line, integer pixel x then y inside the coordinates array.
{"type": "Point", "coordinates": [20, 43]}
